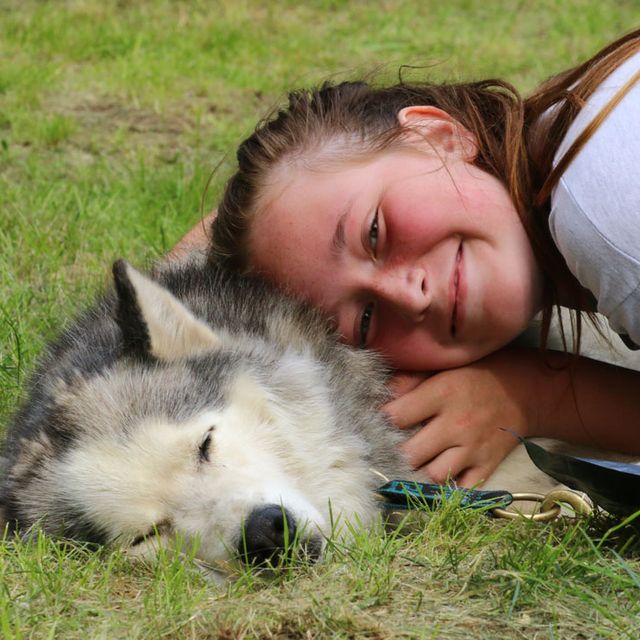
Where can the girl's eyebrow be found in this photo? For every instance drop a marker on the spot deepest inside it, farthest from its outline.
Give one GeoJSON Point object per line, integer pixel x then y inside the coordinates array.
{"type": "Point", "coordinates": [338, 241]}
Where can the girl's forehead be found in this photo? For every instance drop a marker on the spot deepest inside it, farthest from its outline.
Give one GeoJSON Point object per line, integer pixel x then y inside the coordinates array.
{"type": "Point", "coordinates": [290, 205]}
{"type": "Point", "coordinates": [291, 238]}
{"type": "Point", "coordinates": [324, 160]}
{"type": "Point", "coordinates": [290, 245]}
{"type": "Point", "coordinates": [300, 198]}
{"type": "Point", "coordinates": [294, 177]}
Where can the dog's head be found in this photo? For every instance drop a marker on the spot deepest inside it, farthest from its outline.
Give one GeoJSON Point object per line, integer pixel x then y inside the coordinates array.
{"type": "Point", "coordinates": [192, 433]}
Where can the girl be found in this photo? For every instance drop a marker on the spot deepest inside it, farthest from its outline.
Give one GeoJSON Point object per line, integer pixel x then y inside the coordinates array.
{"type": "Point", "coordinates": [433, 222]}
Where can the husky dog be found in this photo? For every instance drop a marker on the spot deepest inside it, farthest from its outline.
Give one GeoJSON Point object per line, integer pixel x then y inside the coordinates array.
{"type": "Point", "coordinates": [199, 403]}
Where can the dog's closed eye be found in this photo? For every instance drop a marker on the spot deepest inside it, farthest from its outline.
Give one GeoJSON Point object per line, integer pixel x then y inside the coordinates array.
{"type": "Point", "coordinates": [140, 539]}
{"type": "Point", "coordinates": [205, 445]}
{"type": "Point", "coordinates": [156, 531]}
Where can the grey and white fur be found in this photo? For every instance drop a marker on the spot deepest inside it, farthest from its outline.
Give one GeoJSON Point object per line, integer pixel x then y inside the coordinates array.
{"type": "Point", "coordinates": [199, 403]}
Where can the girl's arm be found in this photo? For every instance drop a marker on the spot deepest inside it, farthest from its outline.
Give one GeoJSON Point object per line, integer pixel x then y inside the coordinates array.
{"type": "Point", "coordinates": [196, 239]}
{"type": "Point", "coordinates": [572, 399]}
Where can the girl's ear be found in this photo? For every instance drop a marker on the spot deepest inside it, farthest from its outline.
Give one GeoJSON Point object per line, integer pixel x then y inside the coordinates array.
{"type": "Point", "coordinates": [439, 130]}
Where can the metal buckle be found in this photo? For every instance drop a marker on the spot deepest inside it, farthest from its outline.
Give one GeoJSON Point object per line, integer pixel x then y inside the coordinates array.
{"type": "Point", "coordinates": [550, 508]}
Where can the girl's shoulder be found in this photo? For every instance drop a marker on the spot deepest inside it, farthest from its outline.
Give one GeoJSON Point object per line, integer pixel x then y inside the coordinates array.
{"type": "Point", "coordinates": [595, 213]}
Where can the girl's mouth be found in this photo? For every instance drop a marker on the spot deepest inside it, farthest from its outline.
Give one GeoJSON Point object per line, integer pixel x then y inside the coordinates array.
{"type": "Point", "coordinates": [456, 289]}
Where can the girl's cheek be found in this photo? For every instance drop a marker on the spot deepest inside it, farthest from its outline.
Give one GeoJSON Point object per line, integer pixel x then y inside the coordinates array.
{"type": "Point", "coordinates": [393, 344]}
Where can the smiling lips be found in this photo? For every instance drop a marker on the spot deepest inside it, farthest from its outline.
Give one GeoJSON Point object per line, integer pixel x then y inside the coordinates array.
{"type": "Point", "coordinates": [456, 288]}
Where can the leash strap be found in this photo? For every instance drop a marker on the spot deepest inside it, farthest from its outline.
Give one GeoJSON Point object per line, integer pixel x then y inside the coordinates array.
{"type": "Point", "coordinates": [409, 494]}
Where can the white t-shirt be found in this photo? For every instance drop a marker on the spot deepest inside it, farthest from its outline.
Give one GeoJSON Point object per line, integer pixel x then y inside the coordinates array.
{"type": "Point", "coordinates": [595, 207]}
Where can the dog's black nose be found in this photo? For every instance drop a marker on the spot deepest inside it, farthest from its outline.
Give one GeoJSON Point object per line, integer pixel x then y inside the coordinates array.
{"type": "Point", "coordinates": [268, 535]}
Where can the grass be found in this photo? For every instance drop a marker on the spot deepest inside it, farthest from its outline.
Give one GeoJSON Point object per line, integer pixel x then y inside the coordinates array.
{"type": "Point", "coordinates": [455, 574]}
{"type": "Point", "coordinates": [112, 117]}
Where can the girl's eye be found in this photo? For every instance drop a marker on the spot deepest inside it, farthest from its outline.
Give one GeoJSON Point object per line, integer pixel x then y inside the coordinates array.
{"type": "Point", "coordinates": [203, 450]}
{"type": "Point", "coordinates": [365, 324]}
{"type": "Point", "coordinates": [373, 234]}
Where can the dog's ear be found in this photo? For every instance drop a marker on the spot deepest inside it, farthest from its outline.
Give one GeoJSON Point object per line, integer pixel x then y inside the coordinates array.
{"type": "Point", "coordinates": [154, 322]}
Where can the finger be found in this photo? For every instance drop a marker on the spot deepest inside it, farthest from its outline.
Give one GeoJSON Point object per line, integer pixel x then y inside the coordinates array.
{"type": "Point", "coordinates": [404, 381]}
{"type": "Point", "coordinates": [473, 477]}
{"type": "Point", "coordinates": [446, 466]}
{"type": "Point", "coordinates": [425, 445]}
{"type": "Point", "coordinates": [421, 447]}
{"type": "Point", "coordinates": [415, 406]}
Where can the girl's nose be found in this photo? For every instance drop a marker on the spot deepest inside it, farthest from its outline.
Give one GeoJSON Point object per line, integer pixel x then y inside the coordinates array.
{"type": "Point", "coordinates": [406, 289]}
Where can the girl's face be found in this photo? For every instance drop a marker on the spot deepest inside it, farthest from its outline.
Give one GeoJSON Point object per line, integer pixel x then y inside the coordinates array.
{"type": "Point", "coordinates": [415, 253]}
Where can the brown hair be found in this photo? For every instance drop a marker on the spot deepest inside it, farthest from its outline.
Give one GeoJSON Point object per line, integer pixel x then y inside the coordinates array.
{"type": "Point", "coordinates": [515, 144]}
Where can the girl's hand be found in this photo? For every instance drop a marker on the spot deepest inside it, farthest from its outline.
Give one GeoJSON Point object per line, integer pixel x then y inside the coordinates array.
{"type": "Point", "coordinates": [464, 413]}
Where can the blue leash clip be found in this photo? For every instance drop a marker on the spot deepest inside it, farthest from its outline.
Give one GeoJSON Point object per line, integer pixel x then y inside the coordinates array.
{"type": "Point", "coordinates": [409, 494]}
